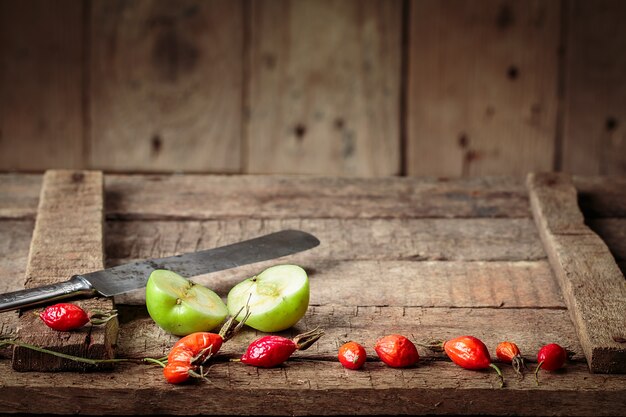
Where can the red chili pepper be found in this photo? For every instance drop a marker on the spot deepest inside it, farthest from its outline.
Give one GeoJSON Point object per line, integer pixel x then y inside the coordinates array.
{"type": "Point", "coordinates": [470, 352]}
{"type": "Point", "coordinates": [270, 351]}
{"type": "Point", "coordinates": [66, 316]}
{"type": "Point", "coordinates": [508, 352]}
{"type": "Point", "coordinates": [396, 351]}
{"type": "Point", "coordinates": [188, 356]}
{"type": "Point", "coordinates": [550, 357]}
{"type": "Point", "coordinates": [352, 355]}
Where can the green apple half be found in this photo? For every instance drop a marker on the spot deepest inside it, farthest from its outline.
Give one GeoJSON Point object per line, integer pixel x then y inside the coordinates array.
{"type": "Point", "coordinates": [278, 298]}
{"type": "Point", "coordinates": [180, 306]}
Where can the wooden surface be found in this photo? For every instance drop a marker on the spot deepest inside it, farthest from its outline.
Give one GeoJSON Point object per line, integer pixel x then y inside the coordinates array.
{"type": "Point", "coordinates": [355, 88]}
{"type": "Point", "coordinates": [41, 84]}
{"type": "Point", "coordinates": [592, 284]}
{"type": "Point", "coordinates": [319, 387]}
{"type": "Point", "coordinates": [474, 74]}
{"type": "Point", "coordinates": [469, 269]}
{"type": "Point", "coordinates": [67, 240]}
{"type": "Point", "coordinates": [166, 85]}
{"type": "Point", "coordinates": [324, 87]}
{"type": "Point", "coordinates": [594, 139]}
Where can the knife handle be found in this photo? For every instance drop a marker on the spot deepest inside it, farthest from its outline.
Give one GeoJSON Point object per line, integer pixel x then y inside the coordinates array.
{"type": "Point", "coordinates": [75, 286]}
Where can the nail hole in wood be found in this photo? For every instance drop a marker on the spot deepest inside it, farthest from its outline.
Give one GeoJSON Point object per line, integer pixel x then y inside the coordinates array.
{"type": "Point", "coordinates": [512, 72]}
{"type": "Point", "coordinates": [611, 124]}
{"type": "Point", "coordinates": [505, 17]}
{"type": "Point", "coordinates": [157, 144]}
{"type": "Point", "coordinates": [463, 140]}
{"type": "Point", "coordinates": [472, 155]}
{"type": "Point", "coordinates": [299, 131]}
{"type": "Point", "coordinates": [339, 123]}
{"type": "Point", "coordinates": [269, 61]}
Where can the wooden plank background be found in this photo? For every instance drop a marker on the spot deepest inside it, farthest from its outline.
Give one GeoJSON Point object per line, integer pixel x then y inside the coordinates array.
{"type": "Point", "coordinates": [353, 88]}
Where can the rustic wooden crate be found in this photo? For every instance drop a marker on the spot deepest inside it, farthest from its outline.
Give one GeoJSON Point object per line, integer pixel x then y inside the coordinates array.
{"type": "Point", "coordinates": [428, 258]}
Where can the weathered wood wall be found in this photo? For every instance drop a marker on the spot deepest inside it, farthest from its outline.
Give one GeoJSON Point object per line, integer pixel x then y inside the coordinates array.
{"type": "Point", "coordinates": [340, 87]}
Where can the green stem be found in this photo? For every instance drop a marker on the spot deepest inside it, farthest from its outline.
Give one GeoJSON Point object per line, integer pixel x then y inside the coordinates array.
{"type": "Point", "coordinates": [518, 363]}
{"type": "Point", "coordinates": [152, 360]}
{"type": "Point", "coordinates": [59, 354]}
{"type": "Point", "coordinates": [537, 372]}
{"type": "Point", "coordinates": [499, 374]}
{"type": "Point", "coordinates": [78, 358]}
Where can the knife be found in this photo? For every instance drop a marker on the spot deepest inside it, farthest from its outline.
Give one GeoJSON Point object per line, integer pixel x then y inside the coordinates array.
{"type": "Point", "coordinates": [124, 278]}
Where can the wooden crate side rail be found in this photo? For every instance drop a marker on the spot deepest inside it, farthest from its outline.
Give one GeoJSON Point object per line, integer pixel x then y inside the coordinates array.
{"type": "Point", "coordinates": [67, 240]}
{"type": "Point", "coordinates": [592, 283]}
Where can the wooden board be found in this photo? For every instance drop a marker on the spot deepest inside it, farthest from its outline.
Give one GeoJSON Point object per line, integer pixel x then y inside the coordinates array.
{"type": "Point", "coordinates": [19, 196]}
{"type": "Point", "coordinates": [342, 239]}
{"type": "Point", "coordinates": [482, 87]}
{"type": "Point", "coordinates": [166, 85]}
{"type": "Point", "coordinates": [592, 283]}
{"type": "Point", "coordinates": [324, 87]}
{"type": "Point", "coordinates": [41, 84]}
{"type": "Point", "coordinates": [424, 284]}
{"type": "Point", "coordinates": [443, 260]}
{"type": "Point", "coordinates": [140, 197]}
{"type": "Point", "coordinates": [140, 337]}
{"type": "Point", "coordinates": [16, 237]}
{"type": "Point", "coordinates": [613, 233]}
{"type": "Point", "coordinates": [594, 139]}
{"type": "Point", "coordinates": [65, 244]}
{"type": "Point", "coordinates": [309, 387]}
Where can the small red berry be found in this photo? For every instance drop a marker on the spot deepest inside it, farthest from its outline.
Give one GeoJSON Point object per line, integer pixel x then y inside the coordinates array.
{"type": "Point", "coordinates": [508, 352]}
{"type": "Point", "coordinates": [270, 351]}
{"type": "Point", "coordinates": [64, 317]}
{"type": "Point", "coordinates": [396, 351]}
{"type": "Point", "coordinates": [352, 355]}
{"type": "Point", "coordinates": [550, 357]}
{"type": "Point", "coordinates": [470, 352]}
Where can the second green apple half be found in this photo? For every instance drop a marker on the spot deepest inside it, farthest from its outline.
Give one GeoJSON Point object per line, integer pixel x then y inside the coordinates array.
{"type": "Point", "coordinates": [278, 298]}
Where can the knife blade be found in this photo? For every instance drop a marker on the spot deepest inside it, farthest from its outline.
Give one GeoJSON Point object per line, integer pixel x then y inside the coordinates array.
{"type": "Point", "coordinates": [127, 277]}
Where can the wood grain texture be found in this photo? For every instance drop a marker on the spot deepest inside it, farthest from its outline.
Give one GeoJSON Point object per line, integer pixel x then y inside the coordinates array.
{"type": "Point", "coordinates": [67, 240]}
{"type": "Point", "coordinates": [422, 284]}
{"type": "Point", "coordinates": [308, 387]}
{"type": "Point", "coordinates": [349, 239]}
{"type": "Point", "coordinates": [592, 283]}
{"type": "Point", "coordinates": [166, 82]}
{"type": "Point", "coordinates": [445, 295]}
{"type": "Point", "coordinates": [140, 337]}
{"type": "Point", "coordinates": [594, 139]}
{"type": "Point", "coordinates": [278, 196]}
{"type": "Point", "coordinates": [19, 195]}
{"type": "Point", "coordinates": [14, 246]}
{"type": "Point", "coordinates": [613, 233]}
{"type": "Point", "coordinates": [482, 87]}
{"type": "Point", "coordinates": [324, 87]}
{"type": "Point", "coordinates": [41, 73]}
